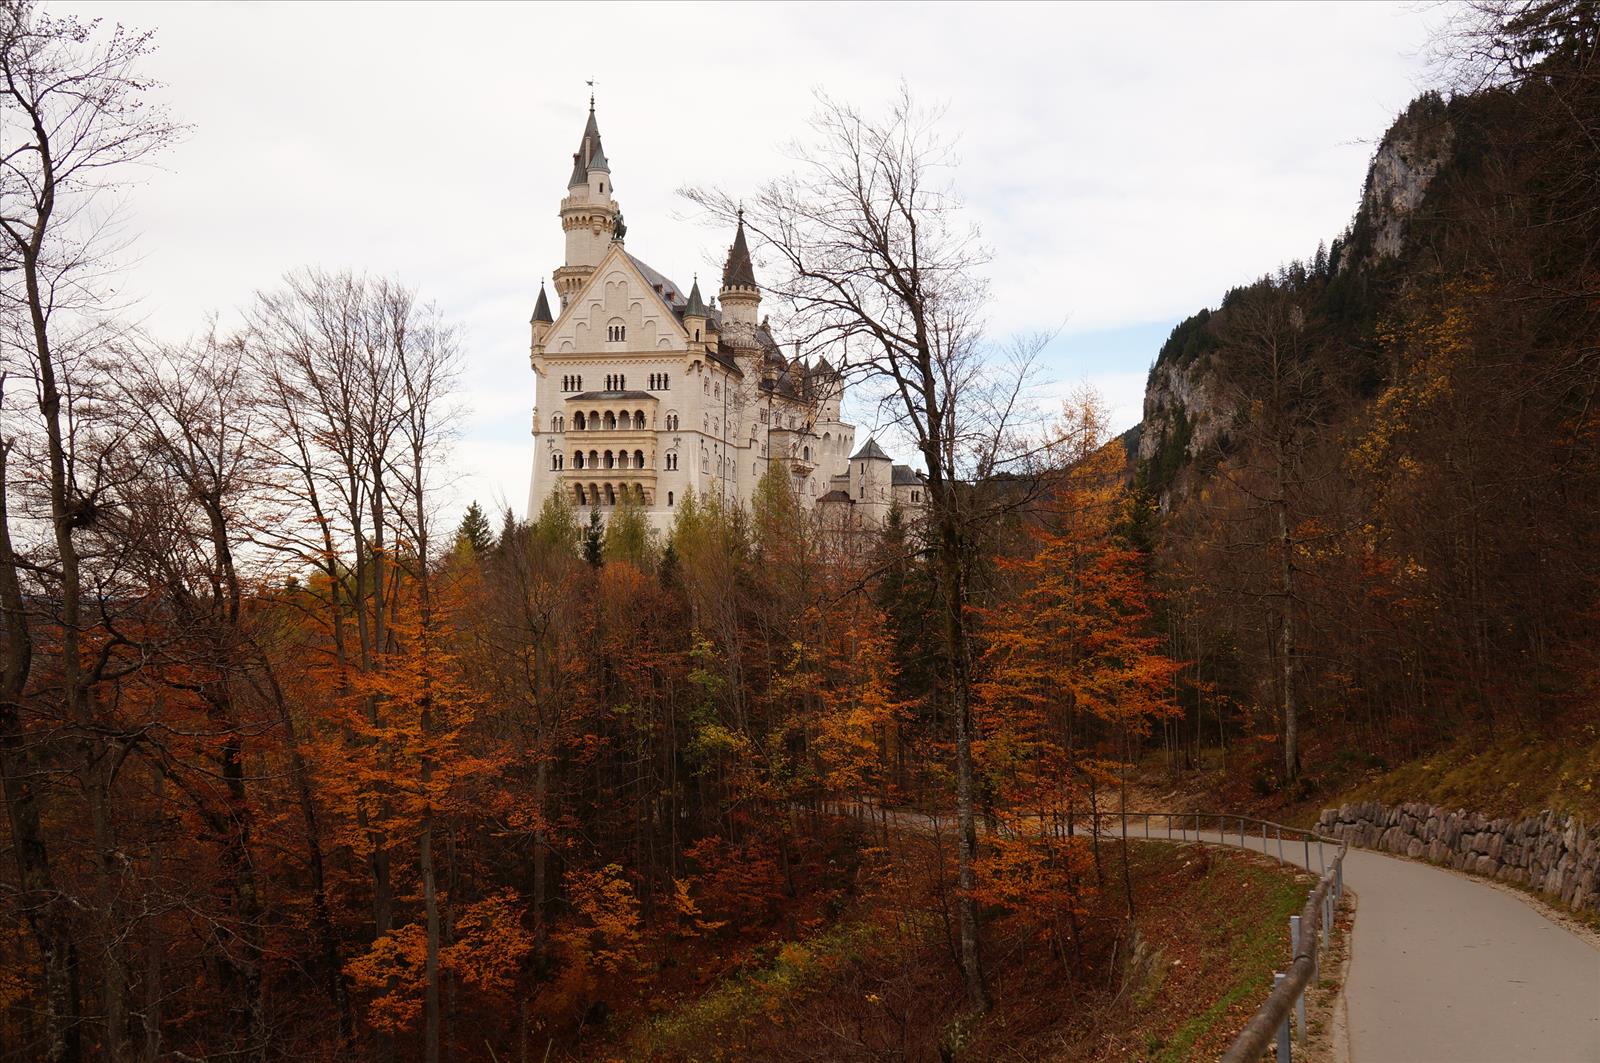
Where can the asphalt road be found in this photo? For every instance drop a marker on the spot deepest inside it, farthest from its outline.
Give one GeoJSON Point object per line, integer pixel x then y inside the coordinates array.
{"type": "Point", "coordinates": [1445, 968]}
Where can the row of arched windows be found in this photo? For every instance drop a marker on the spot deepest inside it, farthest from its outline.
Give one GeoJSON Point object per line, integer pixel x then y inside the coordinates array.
{"type": "Point", "coordinates": [609, 459]}
{"type": "Point", "coordinates": [616, 333]}
{"type": "Point", "coordinates": [610, 421]}
{"type": "Point", "coordinates": [572, 383]}
{"type": "Point", "coordinates": [616, 382]}
{"type": "Point", "coordinates": [658, 382]}
{"type": "Point", "coordinates": [611, 494]}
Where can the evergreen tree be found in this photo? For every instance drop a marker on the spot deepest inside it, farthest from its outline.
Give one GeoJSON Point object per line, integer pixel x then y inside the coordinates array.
{"type": "Point", "coordinates": [594, 539]}
{"type": "Point", "coordinates": [474, 533]}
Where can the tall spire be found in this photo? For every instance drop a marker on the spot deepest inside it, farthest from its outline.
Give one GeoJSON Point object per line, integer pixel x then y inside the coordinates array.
{"type": "Point", "coordinates": [541, 309]}
{"type": "Point", "coordinates": [588, 149]}
{"type": "Point", "coordinates": [739, 272]}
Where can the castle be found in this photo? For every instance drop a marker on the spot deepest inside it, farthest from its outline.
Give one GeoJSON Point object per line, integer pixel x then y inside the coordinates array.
{"type": "Point", "coordinates": [642, 390]}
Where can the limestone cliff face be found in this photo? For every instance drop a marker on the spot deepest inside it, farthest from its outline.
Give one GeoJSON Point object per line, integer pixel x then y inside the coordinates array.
{"type": "Point", "coordinates": [1405, 164]}
{"type": "Point", "coordinates": [1186, 409]}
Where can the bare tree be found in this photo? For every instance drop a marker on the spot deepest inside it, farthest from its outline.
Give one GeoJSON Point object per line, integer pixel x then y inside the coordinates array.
{"type": "Point", "coordinates": [879, 269]}
{"type": "Point", "coordinates": [74, 109]}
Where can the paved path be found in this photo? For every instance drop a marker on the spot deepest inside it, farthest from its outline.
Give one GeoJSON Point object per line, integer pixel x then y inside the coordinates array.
{"type": "Point", "coordinates": [1443, 967]}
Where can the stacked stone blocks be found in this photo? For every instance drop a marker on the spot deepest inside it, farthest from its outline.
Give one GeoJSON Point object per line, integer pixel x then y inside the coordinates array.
{"type": "Point", "coordinates": [1555, 855]}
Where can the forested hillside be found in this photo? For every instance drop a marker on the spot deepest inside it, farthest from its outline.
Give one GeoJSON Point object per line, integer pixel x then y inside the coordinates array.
{"type": "Point", "coordinates": [1373, 477]}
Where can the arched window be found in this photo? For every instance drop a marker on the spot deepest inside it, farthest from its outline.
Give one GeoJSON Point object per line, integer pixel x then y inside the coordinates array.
{"type": "Point", "coordinates": [594, 459]}
{"type": "Point", "coordinates": [638, 419]}
{"type": "Point", "coordinates": [622, 381]}
{"type": "Point", "coordinates": [581, 499]}
{"type": "Point", "coordinates": [611, 460]}
{"type": "Point", "coordinates": [577, 420]}
{"type": "Point", "coordinates": [638, 459]}
{"type": "Point", "coordinates": [672, 422]}
{"type": "Point", "coordinates": [577, 459]}
{"type": "Point", "coordinates": [616, 332]}
{"type": "Point", "coordinates": [669, 498]}
{"type": "Point", "coordinates": [611, 495]}
{"type": "Point", "coordinates": [578, 385]}
{"type": "Point", "coordinates": [555, 461]}
{"type": "Point", "coordinates": [594, 420]}
{"type": "Point", "coordinates": [807, 452]}
{"type": "Point", "coordinates": [666, 383]}
{"type": "Point", "coordinates": [611, 421]}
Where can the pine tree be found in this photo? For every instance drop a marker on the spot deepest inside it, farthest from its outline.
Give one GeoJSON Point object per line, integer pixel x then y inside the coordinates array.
{"type": "Point", "coordinates": [474, 533]}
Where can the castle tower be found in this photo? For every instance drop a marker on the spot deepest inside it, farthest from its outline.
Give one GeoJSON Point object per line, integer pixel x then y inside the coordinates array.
{"type": "Point", "coordinates": [741, 299]}
{"type": "Point", "coordinates": [589, 214]}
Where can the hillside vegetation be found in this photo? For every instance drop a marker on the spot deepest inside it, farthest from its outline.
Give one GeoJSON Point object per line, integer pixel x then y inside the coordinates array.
{"type": "Point", "coordinates": [1372, 479]}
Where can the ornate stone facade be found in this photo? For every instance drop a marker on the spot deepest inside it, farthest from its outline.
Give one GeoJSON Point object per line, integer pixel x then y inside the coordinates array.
{"type": "Point", "coordinates": [643, 388]}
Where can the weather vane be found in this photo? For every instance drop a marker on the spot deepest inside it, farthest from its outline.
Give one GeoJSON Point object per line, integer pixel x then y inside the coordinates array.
{"type": "Point", "coordinates": [590, 83]}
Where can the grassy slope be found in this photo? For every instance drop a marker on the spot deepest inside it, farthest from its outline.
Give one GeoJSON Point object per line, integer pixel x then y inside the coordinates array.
{"type": "Point", "coordinates": [1508, 775]}
{"type": "Point", "coordinates": [879, 984]}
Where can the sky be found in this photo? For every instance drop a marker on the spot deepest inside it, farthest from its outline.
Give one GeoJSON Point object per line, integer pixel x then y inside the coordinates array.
{"type": "Point", "coordinates": [1126, 164]}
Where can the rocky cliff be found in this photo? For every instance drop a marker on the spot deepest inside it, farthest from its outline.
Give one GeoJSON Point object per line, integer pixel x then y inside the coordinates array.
{"type": "Point", "coordinates": [1187, 411]}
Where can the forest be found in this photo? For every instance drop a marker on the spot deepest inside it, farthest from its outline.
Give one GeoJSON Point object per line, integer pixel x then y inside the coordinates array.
{"type": "Point", "coordinates": [295, 769]}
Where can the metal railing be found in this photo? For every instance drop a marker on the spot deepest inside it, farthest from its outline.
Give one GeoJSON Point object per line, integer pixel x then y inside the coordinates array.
{"type": "Point", "coordinates": [1308, 931]}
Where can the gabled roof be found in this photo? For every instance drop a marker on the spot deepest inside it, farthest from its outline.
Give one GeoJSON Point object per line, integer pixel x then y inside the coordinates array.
{"type": "Point", "coordinates": [870, 450]}
{"type": "Point", "coordinates": [739, 271]}
{"type": "Point", "coordinates": [647, 276]}
{"type": "Point", "coordinates": [901, 475]}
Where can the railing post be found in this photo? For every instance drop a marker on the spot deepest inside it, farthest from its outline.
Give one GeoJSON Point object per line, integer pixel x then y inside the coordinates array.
{"type": "Point", "coordinates": [1327, 916]}
{"type": "Point", "coordinates": [1308, 852]}
{"type": "Point", "coordinates": [1283, 1030]}
{"type": "Point", "coordinates": [1263, 837]}
{"type": "Point", "coordinates": [1300, 1017]}
{"type": "Point", "coordinates": [1279, 832]}
{"type": "Point", "coordinates": [1241, 832]}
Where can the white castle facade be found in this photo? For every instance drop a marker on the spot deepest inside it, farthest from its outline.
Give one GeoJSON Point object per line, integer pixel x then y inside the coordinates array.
{"type": "Point", "coordinates": [643, 390]}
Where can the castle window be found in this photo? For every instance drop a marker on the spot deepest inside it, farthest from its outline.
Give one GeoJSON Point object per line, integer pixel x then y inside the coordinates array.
{"type": "Point", "coordinates": [763, 416]}
{"type": "Point", "coordinates": [666, 384]}
{"type": "Point", "coordinates": [581, 499]}
{"type": "Point", "coordinates": [611, 460]}
{"type": "Point", "coordinates": [616, 333]}
{"type": "Point", "coordinates": [916, 496]}
{"type": "Point", "coordinates": [611, 421]}
{"type": "Point", "coordinates": [638, 459]}
{"type": "Point", "coordinates": [638, 419]}
{"type": "Point", "coordinates": [611, 495]}
{"type": "Point", "coordinates": [669, 498]}
{"type": "Point", "coordinates": [577, 420]}
{"type": "Point", "coordinates": [577, 459]}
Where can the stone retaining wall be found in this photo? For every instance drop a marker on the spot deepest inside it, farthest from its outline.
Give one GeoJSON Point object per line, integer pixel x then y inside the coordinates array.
{"type": "Point", "coordinates": [1554, 854]}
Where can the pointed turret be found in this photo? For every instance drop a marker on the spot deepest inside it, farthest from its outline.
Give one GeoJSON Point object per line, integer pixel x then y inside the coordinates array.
{"type": "Point", "coordinates": [589, 215]}
{"type": "Point", "coordinates": [542, 318]}
{"type": "Point", "coordinates": [694, 315]}
{"type": "Point", "coordinates": [740, 297]}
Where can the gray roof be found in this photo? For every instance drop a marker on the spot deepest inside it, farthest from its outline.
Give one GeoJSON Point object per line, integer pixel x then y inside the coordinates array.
{"type": "Point", "coordinates": [541, 309]}
{"type": "Point", "coordinates": [739, 272]}
{"type": "Point", "coordinates": [591, 395]}
{"type": "Point", "coordinates": [901, 475]}
{"type": "Point", "coordinates": [836, 496]}
{"type": "Point", "coordinates": [870, 450]}
{"type": "Point", "coordinates": [588, 149]}
{"type": "Point", "coordinates": [695, 305]}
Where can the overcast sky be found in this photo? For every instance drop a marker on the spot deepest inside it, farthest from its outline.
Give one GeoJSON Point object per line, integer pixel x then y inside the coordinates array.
{"type": "Point", "coordinates": [1126, 164]}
